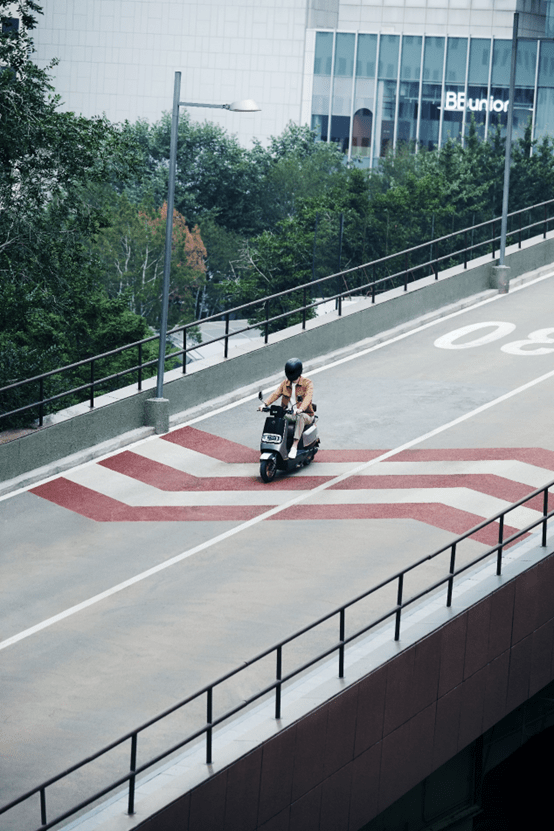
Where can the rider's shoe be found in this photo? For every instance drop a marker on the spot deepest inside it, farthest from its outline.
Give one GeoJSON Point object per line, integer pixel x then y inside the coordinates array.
{"type": "Point", "coordinates": [292, 452]}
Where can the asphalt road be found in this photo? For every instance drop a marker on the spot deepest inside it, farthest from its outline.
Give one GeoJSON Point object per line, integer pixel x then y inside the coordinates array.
{"type": "Point", "coordinates": [130, 582]}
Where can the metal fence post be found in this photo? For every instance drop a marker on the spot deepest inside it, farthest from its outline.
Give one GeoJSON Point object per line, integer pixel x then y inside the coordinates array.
{"type": "Point", "coordinates": [544, 513]}
{"type": "Point", "coordinates": [132, 768]}
{"type": "Point", "coordinates": [184, 350]}
{"type": "Point", "coordinates": [140, 366]}
{"type": "Point", "coordinates": [43, 818]}
{"type": "Point", "coordinates": [451, 580]}
{"type": "Point", "coordinates": [92, 383]}
{"type": "Point", "coordinates": [41, 405]}
{"type": "Point", "coordinates": [209, 719]}
{"type": "Point", "coordinates": [500, 540]}
{"type": "Point", "coordinates": [341, 639]}
{"type": "Point", "coordinates": [399, 604]}
{"type": "Point", "coordinates": [266, 321]}
{"type": "Point", "coordinates": [278, 676]}
{"type": "Point", "coordinates": [226, 352]}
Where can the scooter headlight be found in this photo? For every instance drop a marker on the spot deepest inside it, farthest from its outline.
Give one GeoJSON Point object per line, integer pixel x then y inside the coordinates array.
{"type": "Point", "coordinates": [272, 438]}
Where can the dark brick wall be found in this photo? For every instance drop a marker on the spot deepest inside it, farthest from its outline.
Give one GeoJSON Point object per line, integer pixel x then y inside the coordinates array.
{"type": "Point", "coordinates": [343, 764]}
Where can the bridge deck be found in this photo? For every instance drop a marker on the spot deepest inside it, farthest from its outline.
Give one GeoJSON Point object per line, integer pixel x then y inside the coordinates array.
{"type": "Point", "coordinates": [131, 581]}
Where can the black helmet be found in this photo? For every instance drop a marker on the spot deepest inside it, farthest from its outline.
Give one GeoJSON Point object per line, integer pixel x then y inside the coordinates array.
{"type": "Point", "coordinates": [293, 369]}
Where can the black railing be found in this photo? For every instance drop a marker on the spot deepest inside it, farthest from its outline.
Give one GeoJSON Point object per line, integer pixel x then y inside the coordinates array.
{"type": "Point", "coordinates": [367, 280]}
{"type": "Point", "coordinates": [275, 687]}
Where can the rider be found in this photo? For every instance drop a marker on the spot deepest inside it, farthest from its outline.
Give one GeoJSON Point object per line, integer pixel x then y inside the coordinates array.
{"type": "Point", "coordinates": [302, 390]}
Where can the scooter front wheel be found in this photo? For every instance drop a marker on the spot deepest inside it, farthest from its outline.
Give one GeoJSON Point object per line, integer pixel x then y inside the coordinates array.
{"type": "Point", "coordinates": [268, 469]}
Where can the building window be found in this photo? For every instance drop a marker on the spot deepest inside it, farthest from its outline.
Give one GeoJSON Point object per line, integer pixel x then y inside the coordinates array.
{"type": "Point", "coordinates": [408, 94]}
{"type": "Point", "coordinates": [544, 122]}
{"type": "Point", "coordinates": [364, 98]}
{"type": "Point", "coordinates": [342, 90]}
{"type": "Point", "coordinates": [431, 92]}
{"type": "Point", "coordinates": [372, 92]}
{"type": "Point", "coordinates": [322, 84]}
{"type": "Point", "coordinates": [385, 110]}
{"type": "Point", "coordinates": [478, 85]}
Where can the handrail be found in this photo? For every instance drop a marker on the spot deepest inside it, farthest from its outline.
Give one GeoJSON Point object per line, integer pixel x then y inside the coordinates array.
{"type": "Point", "coordinates": [280, 679]}
{"type": "Point", "coordinates": [405, 275]}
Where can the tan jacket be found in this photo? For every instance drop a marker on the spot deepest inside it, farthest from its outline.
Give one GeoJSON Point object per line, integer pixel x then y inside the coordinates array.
{"type": "Point", "coordinates": [304, 394]}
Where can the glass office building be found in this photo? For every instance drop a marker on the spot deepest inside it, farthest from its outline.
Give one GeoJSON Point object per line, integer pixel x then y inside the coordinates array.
{"type": "Point", "coordinates": [367, 74]}
{"type": "Point", "coordinates": [372, 91]}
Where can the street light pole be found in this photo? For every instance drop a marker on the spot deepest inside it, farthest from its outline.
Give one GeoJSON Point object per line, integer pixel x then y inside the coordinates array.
{"type": "Point", "coordinates": [503, 281]}
{"type": "Point", "coordinates": [157, 408]}
{"type": "Point", "coordinates": [168, 234]}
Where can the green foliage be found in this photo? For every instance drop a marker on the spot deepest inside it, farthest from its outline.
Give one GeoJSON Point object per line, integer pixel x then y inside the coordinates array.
{"type": "Point", "coordinates": [82, 221]}
{"type": "Point", "coordinates": [408, 199]}
{"type": "Point", "coordinates": [130, 251]}
{"type": "Point", "coordinates": [52, 308]}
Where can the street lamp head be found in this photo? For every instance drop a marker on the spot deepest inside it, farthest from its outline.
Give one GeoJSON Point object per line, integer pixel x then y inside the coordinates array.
{"type": "Point", "coordinates": [247, 106]}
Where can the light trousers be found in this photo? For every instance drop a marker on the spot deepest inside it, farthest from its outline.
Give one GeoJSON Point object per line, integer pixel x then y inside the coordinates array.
{"type": "Point", "coordinates": [302, 421]}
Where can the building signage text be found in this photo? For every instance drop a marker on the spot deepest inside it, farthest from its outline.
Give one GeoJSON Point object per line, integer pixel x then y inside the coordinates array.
{"type": "Point", "coordinates": [457, 101]}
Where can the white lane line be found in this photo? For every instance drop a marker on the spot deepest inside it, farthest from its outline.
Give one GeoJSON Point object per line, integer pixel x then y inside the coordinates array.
{"type": "Point", "coordinates": [332, 365]}
{"type": "Point", "coordinates": [267, 514]}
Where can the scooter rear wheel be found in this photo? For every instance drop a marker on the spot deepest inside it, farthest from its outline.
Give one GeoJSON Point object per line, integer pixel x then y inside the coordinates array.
{"type": "Point", "coordinates": [268, 469]}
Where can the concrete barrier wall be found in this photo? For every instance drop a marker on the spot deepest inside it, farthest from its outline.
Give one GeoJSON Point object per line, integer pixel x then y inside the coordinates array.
{"type": "Point", "coordinates": [343, 764]}
{"type": "Point", "coordinates": [99, 425]}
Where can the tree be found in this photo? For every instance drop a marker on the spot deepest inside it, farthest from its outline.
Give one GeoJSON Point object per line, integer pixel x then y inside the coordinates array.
{"type": "Point", "coordinates": [131, 251]}
{"type": "Point", "coordinates": [51, 165]}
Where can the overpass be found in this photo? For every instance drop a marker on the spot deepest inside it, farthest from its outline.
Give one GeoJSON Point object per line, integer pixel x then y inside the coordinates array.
{"type": "Point", "coordinates": [425, 432]}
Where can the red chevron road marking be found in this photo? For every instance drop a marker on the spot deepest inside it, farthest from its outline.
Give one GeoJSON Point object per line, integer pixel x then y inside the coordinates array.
{"type": "Point", "coordinates": [231, 452]}
{"type": "Point", "coordinates": [498, 486]}
{"type": "Point", "coordinates": [228, 451]}
{"type": "Point", "coordinates": [213, 446]}
{"type": "Point", "coordinates": [167, 478]}
{"type": "Point", "coordinates": [103, 508]}
{"type": "Point", "coordinates": [440, 516]}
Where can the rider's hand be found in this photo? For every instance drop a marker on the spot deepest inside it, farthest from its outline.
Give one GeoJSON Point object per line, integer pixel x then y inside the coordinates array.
{"type": "Point", "coordinates": [260, 408]}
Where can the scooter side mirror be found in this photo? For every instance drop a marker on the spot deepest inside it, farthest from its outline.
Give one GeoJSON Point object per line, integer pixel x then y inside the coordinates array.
{"type": "Point", "coordinates": [260, 396]}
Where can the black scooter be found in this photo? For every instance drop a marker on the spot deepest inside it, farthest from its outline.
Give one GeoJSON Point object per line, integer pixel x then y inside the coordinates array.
{"type": "Point", "coordinates": [277, 439]}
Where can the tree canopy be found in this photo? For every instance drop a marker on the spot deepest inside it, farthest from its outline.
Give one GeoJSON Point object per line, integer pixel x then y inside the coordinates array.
{"type": "Point", "coordinates": [53, 308]}
{"type": "Point", "coordinates": [83, 210]}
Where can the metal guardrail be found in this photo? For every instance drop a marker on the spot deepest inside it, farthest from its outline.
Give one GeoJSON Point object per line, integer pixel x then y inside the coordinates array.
{"type": "Point", "coordinates": [432, 255]}
{"type": "Point", "coordinates": [277, 650]}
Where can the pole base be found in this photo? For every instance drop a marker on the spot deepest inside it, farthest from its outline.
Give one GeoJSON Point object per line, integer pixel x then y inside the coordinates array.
{"type": "Point", "coordinates": [501, 278]}
{"type": "Point", "coordinates": [156, 414]}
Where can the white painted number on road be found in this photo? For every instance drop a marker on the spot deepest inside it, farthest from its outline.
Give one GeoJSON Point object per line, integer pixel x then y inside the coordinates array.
{"type": "Point", "coordinates": [499, 330]}
{"type": "Point", "coordinates": [517, 347]}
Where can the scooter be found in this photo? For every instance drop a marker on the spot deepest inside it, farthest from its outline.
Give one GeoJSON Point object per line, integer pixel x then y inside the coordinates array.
{"type": "Point", "coordinates": [277, 439]}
